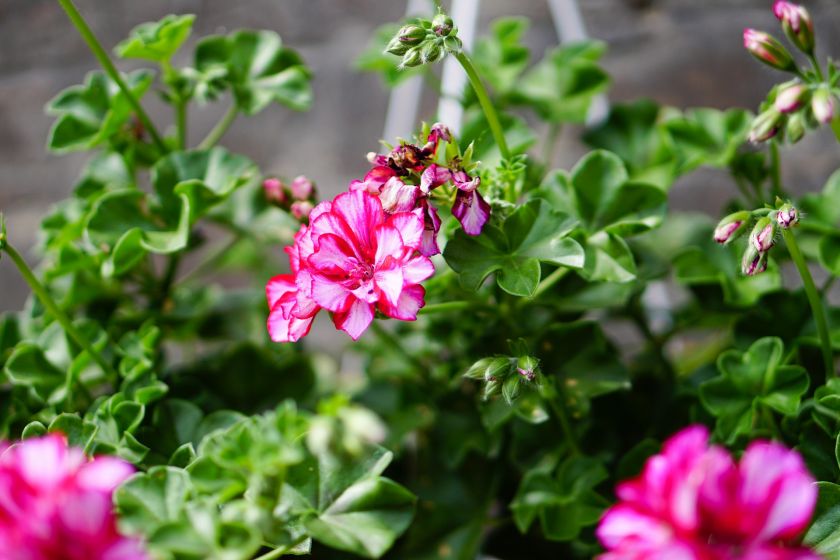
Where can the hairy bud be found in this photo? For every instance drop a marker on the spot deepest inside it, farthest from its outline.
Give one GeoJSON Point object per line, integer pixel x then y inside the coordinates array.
{"type": "Point", "coordinates": [763, 235]}
{"type": "Point", "coordinates": [768, 50]}
{"type": "Point", "coordinates": [753, 261]}
{"type": "Point", "coordinates": [791, 97]}
{"type": "Point", "coordinates": [797, 25]}
{"type": "Point", "coordinates": [822, 104]}
{"type": "Point", "coordinates": [412, 58]}
{"type": "Point", "coordinates": [765, 126]}
{"type": "Point", "coordinates": [787, 216]}
{"type": "Point", "coordinates": [795, 128]}
{"type": "Point", "coordinates": [274, 190]}
{"type": "Point", "coordinates": [731, 227]}
{"type": "Point", "coordinates": [431, 52]}
{"type": "Point", "coordinates": [442, 25]}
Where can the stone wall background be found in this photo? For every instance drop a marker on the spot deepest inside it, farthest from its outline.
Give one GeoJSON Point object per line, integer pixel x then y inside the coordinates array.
{"type": "Point", "coordinates": [680, 52]}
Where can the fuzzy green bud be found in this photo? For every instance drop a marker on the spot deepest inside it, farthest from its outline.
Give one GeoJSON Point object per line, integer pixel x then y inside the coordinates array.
{"type": "Point", "coordinates": [431, 52]}
{"type": "Point", "coordinates": [452, 44]}
{"type": "Point", "coordinates": [411, 35]}
{"type": "Point", "coordinates": [753, 262]}
{"type": "Point", "coordinates": [768, 50]}
{"type": "Point", "coordinates": [397, 47]}
{"type": "Point", "coordinates": [442, 25]}
{"type": "Point", "coordinates": [795, 128]}
{"type": "Point", "coordinates": [787, 216]}
{"type": "Point", "coordinates": [412, 58]}
{"type": "Point", "coordinates": [822, 105]}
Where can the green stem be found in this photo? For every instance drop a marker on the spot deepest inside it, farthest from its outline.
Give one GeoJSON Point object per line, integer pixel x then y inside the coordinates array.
{"type": "Point", "coordinates": [835, 127]}
{"type": "Point", "coordinates": [104, 60]}
{"type": "Point", "coordinates": [181, 123]}
{"type": "Point", "coordinates": [554, 397]}
{"type": "Point", "coordinates": [775, 170]}
{"type": "Point", "coordinates": [281, 550]}
{"type": "Point", "coordinates": [46, 299]}
{"type": "Point", "coordinates": [485, 102]}
{"type": "Point", "coordinates": [168, 281]}
{"type": "Point", "coordinates": [448, 306]}
{"type": "Point", "coordinates": [817, 308]}
{"type": "Point", "coordinates": [219, 130]}
{"type": "Point", "coordinates": [813, 58]}
{"type": "Point", "coordinates": [549, 281]}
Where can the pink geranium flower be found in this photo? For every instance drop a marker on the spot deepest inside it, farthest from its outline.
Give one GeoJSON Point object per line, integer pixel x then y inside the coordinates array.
{"type": "Point", "coordinates": [693, 502]}
{"type": "Point", "coordinates": [352, 260]}
{"type": "Point", "coordinates": [55, 504]}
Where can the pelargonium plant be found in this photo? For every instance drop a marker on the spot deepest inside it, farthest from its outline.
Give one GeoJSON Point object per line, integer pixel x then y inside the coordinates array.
{"type": "Point", "coordinates": [519, 387]}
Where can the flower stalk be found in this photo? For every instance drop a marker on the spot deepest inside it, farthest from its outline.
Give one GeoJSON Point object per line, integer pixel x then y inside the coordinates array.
{"type": "Point", "coordinates": [814, 299]}
{"type": "Point", "coordinates": [46, 299]}
{"type": "Point", "coordinates": [219, 130]}
{"type": "Point", "coordinates": [485, 102]}
{"type": "Point", "coordinates": [105, 61]}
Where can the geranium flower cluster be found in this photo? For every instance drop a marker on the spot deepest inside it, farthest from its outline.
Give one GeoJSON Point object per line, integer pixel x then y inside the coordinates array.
{"type": "Point", "coordinates": [55, 504]}
{"type": "Point", "coordinates": [368, 250]}
{"type": "Point", "coordinates": [694, 502]}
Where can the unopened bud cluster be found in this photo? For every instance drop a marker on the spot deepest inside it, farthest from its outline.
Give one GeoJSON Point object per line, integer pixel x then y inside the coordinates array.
{"type": "Point", "coordinates": [505, 375]}
{"type": "Point", "coordinates": [762, 236]}
{"type": "Point", "coordinates": [805, 102]}
{"type": "Point", "coordinates": [425, 41]}
{"type": "Point", "coordinates": [298, 198]}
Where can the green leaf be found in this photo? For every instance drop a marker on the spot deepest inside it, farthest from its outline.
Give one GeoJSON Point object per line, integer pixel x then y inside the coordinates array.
{"type": "Point", "coordinates": [608, 259]}
{"type": "Point", "coordinates": [258, 69]}
{"type": "Point", "coordinates": [351, 507]}
{"type": "Point", "coordinates": [561, 87]}
{"type": "Point", "coordinates": [564, 503]}
{"type": "Point", "coordinates": [28, 366]}
{"type": "Point", "coordinates": [501, 57]}
{"type": "Point", "coordinates": [157, 41]}
{"type": "Point", "coordinates": [749, 380]}
{"type": "Point", "coordinates": [205, 177]}
{"type": "Point", "coordinates": [632, 132]}
{"type": "Point", "coordinates": [824, 533]}
{"type": "Point", "coordinates": [95, 113]}
{"type": "Point", "coordinates": [600, 194]}
{"type": "Point", "coordinates": [708, 136]}
{"type": "Point", "coordinates": [533, 233]}
{"type": "Point", "coordinates": [150, 499]}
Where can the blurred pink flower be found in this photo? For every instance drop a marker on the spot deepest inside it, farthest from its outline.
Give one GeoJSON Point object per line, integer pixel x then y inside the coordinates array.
{"type": "Point", "coordinates": [55, 504]}
{"type": "Point", "coordinates": [693, 502]}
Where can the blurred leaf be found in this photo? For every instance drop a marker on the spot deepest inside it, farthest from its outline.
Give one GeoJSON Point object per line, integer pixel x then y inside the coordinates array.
{"type": "Point", "coordinates": [258, 68]}
{"type": "Point", "coordinates": [157, 41]}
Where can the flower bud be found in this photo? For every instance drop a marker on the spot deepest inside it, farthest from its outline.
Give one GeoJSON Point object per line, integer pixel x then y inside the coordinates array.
{"type": "Point", "coordinates": [412, 58]}
{"type": "Point", "coordinates": [411, 35]}
{"type": "Point", "coordinates": [442, 25]}
{"type": "Point", "coordinates": [300, 209]}
{"type": "Point", "coordinates": [795, 128]}
{"type": "Point", "coordinates": [763, 234]}
{"type": "Point", "coordinates": [790, 98]}
{"type": "Point", "coordinates": [275, 191]}
{"type": "Point", "coordinates": [2, 231]}
{"type": "Point", "coordinates": [822, 104]}
{"type": "Point", "coordinates": [787, 216]}
{"type": "Point", "coordinates": [397, 47]}
{"type": "Point", "coordinates": [753, 262]}
{"type": "Point", "coordinates": [797, 24]}
{"type": "Point", "coordinates": [765, 126]}
{"type": "Point", "coordinates": [431, 52]}
{"type": "Point", "coordinates": [768, 50]}
{"type": "Point", "coordinates": [302, 188]}
{"type": "Point", "coordinates": [452, 44]}
{"type": "Point", "coordinates": [526, 367]}
{"type": "Point", "coordinates": [731, 227]}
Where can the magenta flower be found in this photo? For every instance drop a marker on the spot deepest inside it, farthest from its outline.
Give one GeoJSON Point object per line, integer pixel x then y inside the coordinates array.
{"type": "Point", "coordinates": [797, 24]}
{"type": "Point", "coordinates": [693, 502]}
{"type": "Point", "coordinates": [55, 504]}
{"type": "Point", "coordinates": [469, 208]}
{"type": "Point", "coordinates": [364, 260]}
{"type": "Point", "coordinates": [352, 260]}
{"type": "Point", "coordinates": [374, 180]}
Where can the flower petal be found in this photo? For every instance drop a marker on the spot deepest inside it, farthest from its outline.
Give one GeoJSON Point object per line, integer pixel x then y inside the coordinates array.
{"type": "Point", "coordinates": [283, 325]}
{"type": "Point", "coordinates": [472, 211]}
{"type": "Point", "coordinates": [332, 256]}
{"type": "Point", "coordinates": [410, 226]}
{"type": "Point", "coordinates": [397, 196]}
{"type": "Point", "coordinates": [104, 474]}
{"type": "Point", "coordinates": [389, 282]}
{"type": "Point", "coordinates": [410, 302]}
{"type": "Point", "coordinates": [389, 243]}
{"type": "Point", "coordinates": [434, 176]}
{"type": "Point", "coordinates": [362, 212]}
{"type": "Point", "coordinates": [279, 286]}
{"type": "Point", "coordinates": [355, 320]}
{"type": "Point", "coordinates": [417, 268]}
{"type": "Point", "coordinates": [329, 294]}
